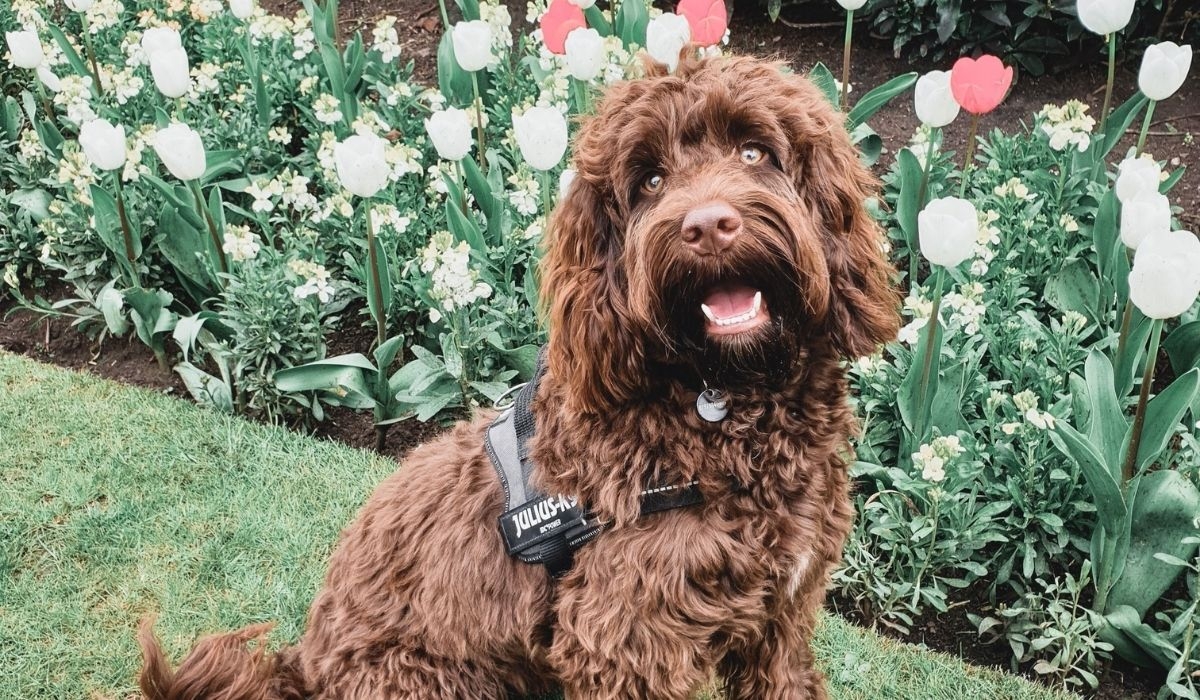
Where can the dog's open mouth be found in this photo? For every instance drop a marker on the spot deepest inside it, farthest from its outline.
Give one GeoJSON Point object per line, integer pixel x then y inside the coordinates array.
{"type": "Point", "coordinates": [733, 309]}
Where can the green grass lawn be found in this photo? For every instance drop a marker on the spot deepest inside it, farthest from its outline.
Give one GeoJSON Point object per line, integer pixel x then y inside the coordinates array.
{"type": "Point", "coordinates": [116, 503]}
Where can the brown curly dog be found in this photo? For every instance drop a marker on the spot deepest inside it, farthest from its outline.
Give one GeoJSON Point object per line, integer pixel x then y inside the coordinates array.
{"type": "Point", "coordinates": [715, 236]}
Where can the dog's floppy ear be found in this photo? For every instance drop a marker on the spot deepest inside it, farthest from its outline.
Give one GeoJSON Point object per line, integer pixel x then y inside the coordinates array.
{"type": "Point", "coordinates": [863, 303]}
{"type": "Point", "coordinates": [592, 344]}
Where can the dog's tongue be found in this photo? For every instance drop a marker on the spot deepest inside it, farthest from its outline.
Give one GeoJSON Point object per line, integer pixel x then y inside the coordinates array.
{"type": "Point", "coordinates": [727, 302]}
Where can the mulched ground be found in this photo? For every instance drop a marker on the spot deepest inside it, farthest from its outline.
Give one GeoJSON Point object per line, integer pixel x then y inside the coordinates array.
{"type": "Point", "coordinates": [817, 39]}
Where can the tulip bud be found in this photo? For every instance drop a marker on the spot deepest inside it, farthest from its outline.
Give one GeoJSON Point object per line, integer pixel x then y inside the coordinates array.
{"type": "Point", "coordinates": [666, 35]}
{"type": "Point", "coordinates": [542, 136]}
{"type": "Point", "coordinates": [585, 53]}
{"type": "Point", "coordinates": [48, 78]}
{"type": "Point", "coordinates": [179, 148]}
{"type": "Point", "coordinates": [935, 103]}
{"type": "Point", "coordinates": [1165, 279]}
{"type": "Point", "coordinates": [850, 5]}
{"type": "Point", "coordinates": [565, 178]}
{"type": "Point", "coordinates": [1143, 216]}
{"type": "Point", "coordinates": [361, 164]}
{"type": "Point", "coordinates": [450, 131]}
{"type": "Point", "coordinates": [1164, 68]}
{"type": "Point", "coordinates": [1137, 175]}
{"type": "Point", "coordinates": [103, 143]}
{"type": "Point", "coordinates": [170, 70]}
{"type": "Point", "coordinates": [242, 9]}
{"type": "Point", "coordinates": [472, 44]}
{"type": "Point", "coordinates": [26, 49]}
{"type": "Point", "coordinates": [157, 39]}
{"type": "Point", "coordinates": [1104, 16]}
{"type": "Point", "coordinates": [79, 5]}
{"type": "Point", "coordinates": [947, 229]}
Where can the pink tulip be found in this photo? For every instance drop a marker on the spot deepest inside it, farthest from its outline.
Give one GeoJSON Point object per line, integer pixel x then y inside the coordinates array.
{"type": "Point", "coordinates": [706, 18]}
{"type": "Point", "coordinates": [979, 85]}
{"type": "Point", "coordinates": [561, 19]}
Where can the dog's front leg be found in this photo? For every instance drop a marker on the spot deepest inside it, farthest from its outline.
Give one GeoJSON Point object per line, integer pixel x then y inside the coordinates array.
{"type": "Point", "coordinates": [630, 624]}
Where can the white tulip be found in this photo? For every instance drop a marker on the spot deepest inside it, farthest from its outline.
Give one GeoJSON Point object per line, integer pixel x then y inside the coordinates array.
{"type": "Point", "coordinates": [542, 136]}
{"type": "Point", "coordinates": [666, 35]}
{"type": "Point", "coordinates": [179, 148]}
{"type": "Point", "coordinates": [935, 103]}
{"type": "Point", "coordinates": [1137, 175]}
{"type": "Point", "coordinates": [582, 4]}
{"type": "Point", "coordinates": [48, 78]}
{"type": "Point", "coordinates": [79, 5]}
{"type": "Point", "coordinates": [1165, 279]}
{"type": "Point", "coordinates": [947, 229]}
{"type": "Point", "coordinates": [26, 49]}
{"type": "Point", "coordinates": [851, 4]}
{"type": "Point", "coordinates": [361, 164]}
{"type": "Point", "coordinates": [585, 53]}
{"type": "Point", "coordinates": [1144, 215]}
{"type": "Point", "coordinates": [565, 178]}
{"type": "Point", "coordinates": [472, 44]}
{"type": "Point", "coordinates": [450, 131]}
{"type": "Point", "coordinates": [242, 9]}
{"type": "Point", "coordinates": [1164, 68]}
{"type": "Point", "coordinates": [171, 72]}
{"type": "Point", "coordinates": [1104, 16]}
{"type": "Point", "coordinates": [103, 143]}
{"type": "Point", "coordinates": [158, 39]}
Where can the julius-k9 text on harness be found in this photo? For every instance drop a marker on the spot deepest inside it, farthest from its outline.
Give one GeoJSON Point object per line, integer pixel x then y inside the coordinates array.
{"type": "Point", "coordinates": [541, 529]}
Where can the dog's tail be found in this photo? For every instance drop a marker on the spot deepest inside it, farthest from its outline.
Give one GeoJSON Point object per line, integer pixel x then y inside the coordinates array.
{"type": "Point", "coordinates": [221, 667]}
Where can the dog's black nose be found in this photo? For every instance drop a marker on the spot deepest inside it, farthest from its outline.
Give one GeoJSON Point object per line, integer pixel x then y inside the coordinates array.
{"type": "Point", "coordinates": [710, 229]}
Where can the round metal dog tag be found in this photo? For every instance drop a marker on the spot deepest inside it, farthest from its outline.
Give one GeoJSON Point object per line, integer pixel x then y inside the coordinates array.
{"type": "Point", "coordinates": [712, 405]}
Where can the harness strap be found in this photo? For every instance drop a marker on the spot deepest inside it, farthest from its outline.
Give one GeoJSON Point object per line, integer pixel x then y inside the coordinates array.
{"type": "Point", "coordinates": [541, 529]}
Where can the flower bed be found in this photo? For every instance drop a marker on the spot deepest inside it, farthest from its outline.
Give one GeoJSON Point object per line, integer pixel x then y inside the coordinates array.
{"type": "Point", "coordinates": [235, 189]}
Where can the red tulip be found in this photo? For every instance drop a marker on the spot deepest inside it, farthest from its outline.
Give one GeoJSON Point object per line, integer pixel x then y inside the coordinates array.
{"type": "Point", "coordinates": [706, 18]}
{"type": "Point", "coordinates": [561, 19]}
{"type": "Point", "coordinates": [979, 85]}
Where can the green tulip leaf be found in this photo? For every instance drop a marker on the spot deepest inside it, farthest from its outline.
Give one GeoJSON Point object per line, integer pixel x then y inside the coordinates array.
{"type": "Point", "coordinates": [823, 78]}
{"type": "Point", "coordinates": [631, 21]}
{"type": "Point", "coordinates": [878, 98]}
{"type": "Point", "coordinates": [1133, 640]}
{"type": "Point", "coordinates": [1105, 490]}
{"type": "Point", "coordinates": [1106, 421]}
{"type": "Point", "coordinates": [1075, 288]}
{"type": "Point", "coordinates": [1118, 121]}
{"type": "Point", "coordinates": [1183, 347]}
{"type": "Point", "coordinates": [908, 205]}
{"type": "Point", "coordinates": [1163, 414]}
{"type": "Point", "coordinates": [454, 82]}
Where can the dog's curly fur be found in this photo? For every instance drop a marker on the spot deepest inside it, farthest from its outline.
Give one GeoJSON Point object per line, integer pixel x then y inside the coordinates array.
{"type": "Point", "coordinates": [421, 600]}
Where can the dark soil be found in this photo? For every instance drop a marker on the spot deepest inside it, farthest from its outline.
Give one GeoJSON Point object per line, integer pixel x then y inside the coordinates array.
{"type": "Point", "coordinates": [818, 38]}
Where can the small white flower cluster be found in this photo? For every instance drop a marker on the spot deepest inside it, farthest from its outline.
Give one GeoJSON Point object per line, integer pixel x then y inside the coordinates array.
{"type": "Point", "coordinates": [1067, 125]}
{"type": "Point", "coordinates": [500, 22]}
{"type": "Point", "coordinates": [205, 10]}
{"type": "Point", "coordinates": [135, 145]}
{"type": "Point", "coordinates": [327, 109]}
{"type": "Point", "coordinates": [316, 281]}
{"type": "Point", "coordinates": [932, 458]}
{"type": "Point", "coordinates": [29, 147]}
{"type": "Point", "coordinates": [264, 193]}
{"type": "Point", "coordinates": [1027, 403]}
{"type": "Point", "coordinates": [204, 78]}
{"type": "Point", "coordinates": [869, 365]}
{"type": "Point", "coordinates": [454, 285]}
{"type": "Point", "coordinates": [104, 14]}
{"type": "Point", "coordinates": [967, 306]}
{"type": "Point", "coordinates": [240, 243]}
{"type": "Point", "coordinates": [75, 170]}
{"type": "Point", "coordinates": [1073, 322]}
{"type": "Point", "coordinates": [125, 85]}
{"type": "Point", "coordinates": [75, 95]}
{"type": "Point", "coordinates": [987, 238]}
{"type": "Point", "coordinates": [304, 41]}
{"type": "Point", "coordinates": [1014, 188]}
{"type": "Point", "coordinates": [920, 309]}
{"type": "Point", "coordinates": [385, 40]}
{"type": "Point", "coordinates": [525, 192]}
{"type": "Point", "coordinates": [1068, 223]}
{"type": "Point", "coordinates": [268, 27]}
{"type": "Point", "coordinates": [386, 215]}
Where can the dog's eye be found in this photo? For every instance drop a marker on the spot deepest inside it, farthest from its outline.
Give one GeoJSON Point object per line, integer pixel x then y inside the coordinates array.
{"type": "Point", "coordinates": [653, 183]}
{"type": "Point", "coordinates": [752, 155]}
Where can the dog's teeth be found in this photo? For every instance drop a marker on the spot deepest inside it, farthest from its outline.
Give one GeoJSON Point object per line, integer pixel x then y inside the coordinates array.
{"type": "Point", "coordinates": [709, 314]}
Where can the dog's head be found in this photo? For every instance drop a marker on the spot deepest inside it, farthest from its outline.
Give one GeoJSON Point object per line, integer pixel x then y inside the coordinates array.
{"type": "Point", "coordinates": [717, 224]}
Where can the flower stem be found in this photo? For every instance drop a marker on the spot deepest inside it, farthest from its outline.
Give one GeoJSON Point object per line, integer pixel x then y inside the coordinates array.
{"type": "Point", "coordinates": [1123, 338]}
{"type": "Point", "coordinates": [1145, 127]}
{"type": "Point", "coordinates": [376, 283]}
{"type": "Point", "coordinates": [846, 61]}
{"type": "Point", "coordinates": [939, 277]}
{"type": "Point", "coordinates": [91, 54]}
{"type": "Point", "coordinates": [969, 158]}
{"type": "Point", "coordinates": [929, 154]}
{"type": "Point", "coordinates": [547, 202]}
{"type": "Point", "coordinates": [462, 175]}
{"type": "Point", "coordinates": [202, 210]}
{"type": "Point", "coordinates": [125, 231]}
{"type": "Point", "coordinates": [1139, 418]}
{"type": "Point", "coordinates": [478, 119]}
{"type": "Point", "coordinates": [1108, 88]}
{"type": "Point", "coordinates": [445, 15]}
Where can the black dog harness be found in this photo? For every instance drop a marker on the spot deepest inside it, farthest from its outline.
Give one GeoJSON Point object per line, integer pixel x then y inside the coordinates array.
{"type": "Point", "coordinates": [541, 529]}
